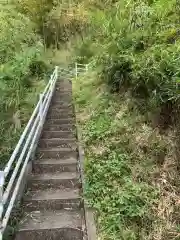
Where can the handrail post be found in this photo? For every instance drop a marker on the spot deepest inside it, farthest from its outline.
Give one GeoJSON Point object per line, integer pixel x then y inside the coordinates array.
{"type": "Point", "coordinates": [41, 108]}
{"type": "Point", "coordinates": [56, 71]}
{"type": "Point", "coordinates": [86, 68]}
{"type": "Point", "coordinates": [2, 180]}
{"type": "Point", "coordinates": [76, 70]}
{"type": "Point", "coordinates": [55, 78]}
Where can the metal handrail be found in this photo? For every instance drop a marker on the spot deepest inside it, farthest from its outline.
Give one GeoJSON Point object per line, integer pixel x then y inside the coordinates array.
{"type": "Point", "coordinates": [22, 154]}
{"type": "Point", "coordinates": [81, 68]}
{"type": "Point", "coordinates": [10, 181]}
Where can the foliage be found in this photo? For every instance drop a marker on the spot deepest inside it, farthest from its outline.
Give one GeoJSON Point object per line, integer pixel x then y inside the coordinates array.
{"type": "Point", "coordinates": [21, 55]}
{"type": "Point", "coordinates": [35, 10]}
{"type": "Point", "coordinates": [32, 26]}
{"type": "Point", "coordinates": [56, 21]}
{"type": "Point", "coordinates": [131, 168]}
{"type": "Point", "coordinates": [137, 47]}
{"type": "Point", "coordinates": [20, 48]}
{"type": "Point", "coordinates": [63, 21]}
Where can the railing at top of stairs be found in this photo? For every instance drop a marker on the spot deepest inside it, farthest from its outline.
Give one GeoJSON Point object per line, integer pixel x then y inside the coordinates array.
{"type": "Point", "coordinates": [13, 173]}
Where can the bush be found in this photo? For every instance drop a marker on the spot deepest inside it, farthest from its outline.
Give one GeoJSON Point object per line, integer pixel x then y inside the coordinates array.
{"type": "Point", "coordinates": [117, 72]}
{"type": "Point", "coordinates": [84, 52]}
{"type": "Point", "coordinates": [64, 21]}
{"type": "Point", "coordinates": [38, 68]}
{"type": "Point", "coordinates": [137, 46]}
{"type": "Point", "coordinates": [21, 53]}
{"type": "Point", "coordinates": [20, 47]}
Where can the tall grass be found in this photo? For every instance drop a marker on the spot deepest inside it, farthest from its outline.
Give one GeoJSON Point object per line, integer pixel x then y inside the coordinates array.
{"type": "Point", "coordinates": [27, 29]}
{"type": "Point", "coordinates": [21, 64]}
{"type": "Point", "coordinates": [137, 47]}
{"type": "Point", "coordinates": [129, 117]}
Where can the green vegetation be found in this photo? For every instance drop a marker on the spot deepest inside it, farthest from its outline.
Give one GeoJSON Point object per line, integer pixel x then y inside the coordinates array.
{"type": "Point", "coordinates": [136, 43]}
{"type": "Point", "coordinates": [128, 113]}
{"type": "Point", "coordinates": [127, 106]}
{"type": "Point", "coordinates": [21, 56]}
{"type": "Point", "coordinates": [30, 30]}
{"type": "Point", "coordinates": [131, 168]}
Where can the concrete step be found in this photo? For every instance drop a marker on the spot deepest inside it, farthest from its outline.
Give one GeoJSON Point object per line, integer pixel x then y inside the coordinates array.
{"type": "Point", "coordinates": [57, 127]}
{"type": "Point", "coordinates": [51, 225]}
{"type": "Point", "coordinates": [56, 153]}
{"type": "Point", "coordinates": [55, 165]}
{"type": "Point", "coordinates": [58, 101]}
{"type": "Point", "coordinates": [61, 97]}
{"type": "Point", "coordinates": [52, 180]}
{"type": "Point", "coordinates": [58, 143]}
{"type": "Point", "coordinates": [61, 93]}
{"type": "Point", "coordinates": [60, 110]}
{"type": "Point", "coordinates": [58, 134]}
{"type": "Point", "coordinates": [61, 121]}
{"type": "Point", "coordinates": [61, 90]}
{"type": "Point", "coordinates": [62, 104]}
{"type": "Point", "coordinates": [64, 108]}
{"type": "Point", "coordinates": [64, 85]}
{"type": "Point", "coordinates": [54, 199]}
{"type": "Point", "coordinates": [56, 114]}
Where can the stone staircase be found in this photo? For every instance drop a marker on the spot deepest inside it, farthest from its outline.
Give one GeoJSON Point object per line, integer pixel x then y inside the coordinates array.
{"type": "Point", "coordinates": [53, 209]}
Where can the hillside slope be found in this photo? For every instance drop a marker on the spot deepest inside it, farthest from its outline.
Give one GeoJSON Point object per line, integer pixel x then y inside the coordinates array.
{"type": "Point", "coordinates": [131, 167]}
{"type": "Point", "coordinates": [128, 110]}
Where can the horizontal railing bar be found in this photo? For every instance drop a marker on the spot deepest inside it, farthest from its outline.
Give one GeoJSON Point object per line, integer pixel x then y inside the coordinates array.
{"type": "Point", "coordinates": [30, 140]}
{"type": "Point", "coordinates": [18, 164]}
{"type": "Point", "coordinates": [18, 183]}
{"type": "Point", "coordinates": [48, 99]}
{"type": "Point", "coordinates": [13, 156]}
{"type": "Point", "coordinates": [80, 64]}
{"type": "Point", "coordinates": [63, 71]}
{"type": "Point", "coordinates": [48, 102]}
{"type": "Point", "coordinates": [9, 164]}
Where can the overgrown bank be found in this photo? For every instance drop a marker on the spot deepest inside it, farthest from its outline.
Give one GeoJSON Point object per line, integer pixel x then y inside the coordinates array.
{"type": "Point", "coordinates": [131, 167]}
{"type": "Point", "coordinates": [21, 72]}
{"type": "Point", "coordinates": [128, 111]}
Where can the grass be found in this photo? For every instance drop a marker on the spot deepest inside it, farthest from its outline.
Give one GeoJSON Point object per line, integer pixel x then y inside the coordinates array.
{"type": "Point", "coordinates": [15, 121]}
{"type": "Point", "coordinates": [131, 168]}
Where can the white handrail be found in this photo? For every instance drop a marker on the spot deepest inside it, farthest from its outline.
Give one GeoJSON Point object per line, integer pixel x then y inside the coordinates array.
{"type": "Point", "coordinates": [10, 162]}
{"type": "Point", "coordinates": [18, 164]}
{"type": "Point", "coordinates": [12, 159]}
{"type": "Point", "coordinates": [24, 147]}
{"type": "Point", "coordinates": [80, 68]}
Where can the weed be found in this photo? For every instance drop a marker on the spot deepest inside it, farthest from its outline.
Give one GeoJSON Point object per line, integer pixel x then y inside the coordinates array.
{"type": "Point", "coordinates": [125, 165]}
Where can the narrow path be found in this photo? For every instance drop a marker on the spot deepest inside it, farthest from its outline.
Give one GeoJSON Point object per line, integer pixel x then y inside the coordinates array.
{"type": "Point", "coordinates": [52, 204]}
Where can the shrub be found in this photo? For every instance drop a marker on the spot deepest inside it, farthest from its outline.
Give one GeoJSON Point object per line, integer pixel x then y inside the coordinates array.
{"type": "Point", "coordinates": [138, 48]}
{"type": "Point", "coordinates": [64, 21]}
{"type": "Point", "coordinates": [20, 47]}
{"type": "Point", "coordinates": [21, 52]}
